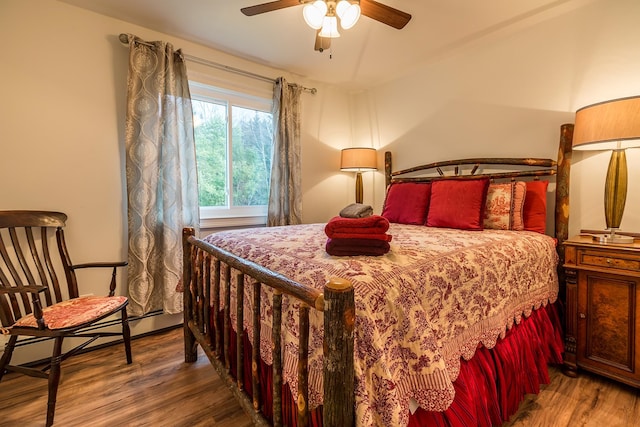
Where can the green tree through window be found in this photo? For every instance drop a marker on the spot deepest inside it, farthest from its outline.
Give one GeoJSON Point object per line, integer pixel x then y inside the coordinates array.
{"type": "Point", "coordinates": [234, 162]}
{"type": "Point", "coordinates": [252, 133]}
{"type": "Point", "coordinates": [210, 130]}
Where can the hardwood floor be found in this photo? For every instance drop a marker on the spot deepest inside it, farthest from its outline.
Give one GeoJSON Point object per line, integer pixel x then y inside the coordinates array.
{"type": "Point", "coordinates": [99, 389]}
{"type": "Point", "coordinates": [588, 401]}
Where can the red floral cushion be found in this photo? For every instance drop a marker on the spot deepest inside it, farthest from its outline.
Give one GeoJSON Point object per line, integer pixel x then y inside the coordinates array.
{"type": "Point", "coordinates": [458, 204]}
{"type": "Point", "coordinates": [535, 206]}
{"type": "Point", "coordinates": [504, 206]}
{"type": "Point", "coordinates": [407, 203]}
{"type": "Point", "coordinates": [74, 312]}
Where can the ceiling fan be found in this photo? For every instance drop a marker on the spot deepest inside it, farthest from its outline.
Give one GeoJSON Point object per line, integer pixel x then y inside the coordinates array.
{"type": "Point", "coordinates": [332, 8]}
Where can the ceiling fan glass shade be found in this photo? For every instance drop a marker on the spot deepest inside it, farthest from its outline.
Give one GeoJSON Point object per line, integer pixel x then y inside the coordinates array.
{"type": "Point", "coordinates": [611, 125]}
{"type": "Point", "coordinates": [330, 27]}
{"type": "Point", "coordinates": [348, 13]}
{"type": "Point", "coordinates": [314, 14]}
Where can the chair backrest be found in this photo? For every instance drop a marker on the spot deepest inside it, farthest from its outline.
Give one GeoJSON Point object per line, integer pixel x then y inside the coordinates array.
{"type": "Point", "coordinates": [30, 256]}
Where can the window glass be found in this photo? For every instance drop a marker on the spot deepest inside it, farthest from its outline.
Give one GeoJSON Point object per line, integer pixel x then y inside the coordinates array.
{"type": "Point", "coordinates": [210, 129]}
{"type": "Point", "coordinates": [251, 160]}
{"type": "Point", "coordinates": [234, 140]}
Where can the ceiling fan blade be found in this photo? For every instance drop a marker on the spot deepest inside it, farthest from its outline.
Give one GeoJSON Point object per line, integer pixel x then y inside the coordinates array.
{"type": "Point", "coordinates": [268, 7]}
{"type": "Point", "coordinates": [322, 43]}
{"type": "Point", "coordinates": [385, 14]}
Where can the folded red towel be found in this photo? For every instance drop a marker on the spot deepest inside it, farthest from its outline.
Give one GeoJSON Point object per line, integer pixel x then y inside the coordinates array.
{"type": "Point", "coordinates": [353, 247]}
{"type": "Point", "coordinates": [350, 236]}
{"type": "Point", "coordinates": [374, 224]}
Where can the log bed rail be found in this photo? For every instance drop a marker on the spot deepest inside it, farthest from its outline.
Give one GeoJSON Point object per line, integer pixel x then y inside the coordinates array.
{"type": "Point", "coordinates": [548, 168]}
{"type": "Point", "coordinates": [336, 302]}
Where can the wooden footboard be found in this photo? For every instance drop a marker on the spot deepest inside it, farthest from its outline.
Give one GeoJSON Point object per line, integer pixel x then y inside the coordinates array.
{"type": "Point", "coordinates": [201, 262]}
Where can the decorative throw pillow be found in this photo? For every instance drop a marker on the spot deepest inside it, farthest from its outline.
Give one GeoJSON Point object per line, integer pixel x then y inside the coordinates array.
{"type": "Point", "coordinates": [504, 205]}
{"type": "Point", "coordinates": [458, 203]}
{"type": "Point", "coordinates": [535, 206]}
{"type": "Point", "coordinates": [407, 202]}
{"type": "Point", "coordinates": [517, 212]}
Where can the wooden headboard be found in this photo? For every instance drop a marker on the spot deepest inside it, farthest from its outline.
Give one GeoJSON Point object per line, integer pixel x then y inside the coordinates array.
{"type": "Point", "coordinates": [532, 168]}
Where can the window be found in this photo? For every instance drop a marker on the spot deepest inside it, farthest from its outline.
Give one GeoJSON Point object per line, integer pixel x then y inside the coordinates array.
{"type": "Point", "coordinates": [234, 140]}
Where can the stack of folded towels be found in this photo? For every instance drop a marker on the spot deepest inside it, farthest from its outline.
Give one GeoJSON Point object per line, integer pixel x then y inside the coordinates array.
{"type": "Point", "coordinates": [357, 232]}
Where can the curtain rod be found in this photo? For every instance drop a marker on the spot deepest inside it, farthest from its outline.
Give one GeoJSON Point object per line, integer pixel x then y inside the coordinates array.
{"type": "Point", "coordinates": [124, 39]}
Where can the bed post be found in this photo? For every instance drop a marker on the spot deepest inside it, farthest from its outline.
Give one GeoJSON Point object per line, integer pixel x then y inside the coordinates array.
{"type": "Point", "coordinates": [339, 376]}
{"type": "Point", "coordinates": [190, 351]}
{"type": "Point", "coordinates": [562, 198]}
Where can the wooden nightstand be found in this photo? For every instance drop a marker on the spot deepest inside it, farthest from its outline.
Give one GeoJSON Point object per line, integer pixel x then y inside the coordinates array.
{"type": "Point", "coordinates": [603, 309]}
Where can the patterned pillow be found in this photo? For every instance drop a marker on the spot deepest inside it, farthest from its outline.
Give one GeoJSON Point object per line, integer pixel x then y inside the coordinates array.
{"type": "Point", "coordinates": [74, 312]}
{"type": "Point", "coordinates": [504, 206]}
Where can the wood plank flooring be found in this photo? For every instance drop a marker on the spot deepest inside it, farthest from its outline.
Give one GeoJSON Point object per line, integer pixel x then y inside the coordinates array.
{"type": "Point", "coordinates": [99, 389]}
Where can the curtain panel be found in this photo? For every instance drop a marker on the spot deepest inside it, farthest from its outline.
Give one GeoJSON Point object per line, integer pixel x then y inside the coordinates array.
{"type": "Point", "coordinates": [285, 191]}
{"type": "Point", "coordinates": [162, 191]}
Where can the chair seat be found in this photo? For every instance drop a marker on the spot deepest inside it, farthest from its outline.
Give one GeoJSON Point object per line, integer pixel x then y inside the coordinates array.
{"type": "Point", "coordinates": [74, 312]}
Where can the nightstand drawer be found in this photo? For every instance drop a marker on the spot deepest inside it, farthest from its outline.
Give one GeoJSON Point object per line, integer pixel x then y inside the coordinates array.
{"type": "Point", "coordinates": [596, 259]}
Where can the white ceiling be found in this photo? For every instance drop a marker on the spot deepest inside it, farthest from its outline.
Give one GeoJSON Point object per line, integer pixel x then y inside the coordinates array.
{"type": "Point", "coordinates": [365, 55]}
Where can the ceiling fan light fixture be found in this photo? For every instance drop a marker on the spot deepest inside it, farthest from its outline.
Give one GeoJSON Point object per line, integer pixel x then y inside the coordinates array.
{"type": "Point", "coordinates": [330, 27]}
{"type": "Point", "coordinates": [314, 14]}
{"type": "Point", "coordinates": [349, 13]}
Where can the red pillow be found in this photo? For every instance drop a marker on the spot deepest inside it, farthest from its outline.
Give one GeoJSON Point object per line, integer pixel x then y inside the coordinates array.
{"type": "Point", "coordinates": [458, 203]}
{"type": "Point", "coordinates": [407, 202]}
{"type": "Point", "coordinates": [535, 206]}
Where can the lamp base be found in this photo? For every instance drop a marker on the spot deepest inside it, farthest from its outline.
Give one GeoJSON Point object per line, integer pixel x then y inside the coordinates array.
{"type": "Point", "coordinates": [613, 238]}
{"type": "Point", "coordinates": [359, 191]}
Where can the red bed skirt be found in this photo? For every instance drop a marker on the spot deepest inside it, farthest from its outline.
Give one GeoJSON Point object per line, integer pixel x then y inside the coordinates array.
{"type": "Point", "coordinates": [489, 388]}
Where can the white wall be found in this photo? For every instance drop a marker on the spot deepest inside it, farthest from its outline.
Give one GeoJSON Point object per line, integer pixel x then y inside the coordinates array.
{"type": "Point", "coordinates": [508, 96]}
{"type": "Point", "coordinates": [62, 128]}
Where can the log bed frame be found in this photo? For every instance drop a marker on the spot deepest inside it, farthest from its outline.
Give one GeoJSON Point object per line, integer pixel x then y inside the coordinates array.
{"type": "Point", "coordinates": [336, 301]}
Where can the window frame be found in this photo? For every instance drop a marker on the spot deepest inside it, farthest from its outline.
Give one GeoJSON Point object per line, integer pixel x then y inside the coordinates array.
{"type": "Point", "coordinates": [230, 216]}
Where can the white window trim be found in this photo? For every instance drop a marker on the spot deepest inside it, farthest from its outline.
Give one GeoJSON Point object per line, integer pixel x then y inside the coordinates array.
{"type": "Point", "coordinates": [216, 217]}
{"type": "Point", "coordinates": [208, 223]}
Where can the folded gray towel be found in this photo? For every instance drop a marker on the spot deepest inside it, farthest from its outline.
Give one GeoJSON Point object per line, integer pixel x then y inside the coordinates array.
{"type": "Point", "coordinates": [356, 210]}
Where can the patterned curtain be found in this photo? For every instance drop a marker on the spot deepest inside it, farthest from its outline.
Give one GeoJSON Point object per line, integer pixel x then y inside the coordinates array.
{"type": "Point", "coordinates": [285, 193]}
{"type": "Point", "coordinates": [162, 189]}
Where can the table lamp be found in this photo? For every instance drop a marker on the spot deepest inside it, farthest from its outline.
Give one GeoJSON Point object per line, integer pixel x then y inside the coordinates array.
{"type": "Point", "coordinates": [611, 125]}
{"type": "Point", "coordinates": [358, 160]}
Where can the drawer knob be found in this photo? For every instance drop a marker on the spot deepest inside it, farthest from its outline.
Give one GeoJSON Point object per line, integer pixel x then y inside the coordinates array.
{"type": "Point", "coordinates": [609, 260]}
{"type": "Point", "coordinates": [582, 315]}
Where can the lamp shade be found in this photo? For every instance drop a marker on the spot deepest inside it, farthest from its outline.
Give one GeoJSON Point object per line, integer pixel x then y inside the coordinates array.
{"type": "Point", "coordinates": [358, 159]}
{"type": "Point", "coordinates": [608, 125]}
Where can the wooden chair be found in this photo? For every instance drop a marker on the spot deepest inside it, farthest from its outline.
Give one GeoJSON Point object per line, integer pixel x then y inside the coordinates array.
{"type": "Point", "coordinates": [34, 301]}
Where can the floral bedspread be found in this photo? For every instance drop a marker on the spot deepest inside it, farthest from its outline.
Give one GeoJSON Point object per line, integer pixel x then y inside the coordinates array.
{"type": "Point", "coordinates": [431, 300]}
